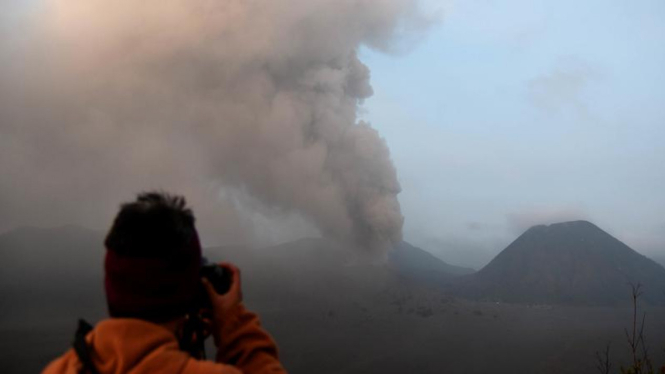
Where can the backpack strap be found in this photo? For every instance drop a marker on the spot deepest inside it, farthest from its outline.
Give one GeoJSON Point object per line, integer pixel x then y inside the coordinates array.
{"type": "Point", "coordinates": [82, 349]}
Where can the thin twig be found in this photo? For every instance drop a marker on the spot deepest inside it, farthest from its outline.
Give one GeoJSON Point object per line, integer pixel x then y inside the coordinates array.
{"type": "Point", "coordinates": [603, 361]}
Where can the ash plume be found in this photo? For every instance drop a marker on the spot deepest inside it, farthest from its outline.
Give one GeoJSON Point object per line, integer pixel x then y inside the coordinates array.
{"type": "Point", "coordinates": [101, 99]}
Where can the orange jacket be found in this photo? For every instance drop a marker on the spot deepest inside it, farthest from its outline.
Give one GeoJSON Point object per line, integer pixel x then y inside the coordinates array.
{"type": "Point", "coordinates": [125, 345]}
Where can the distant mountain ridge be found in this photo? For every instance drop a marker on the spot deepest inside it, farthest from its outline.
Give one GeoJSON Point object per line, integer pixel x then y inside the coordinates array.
{"type": "Point", "coordinates": [316, 259]}
{"type": "Point", "coordinates": [69, 260]}
{"type": "Point", "coordinates": [573, 263]}
{"type": "Point", "coordinates": [567, 263]}
{"type": "Point", "coordinates": [418, 264]}
{"type": "Point", "coordinates": [50, 256]}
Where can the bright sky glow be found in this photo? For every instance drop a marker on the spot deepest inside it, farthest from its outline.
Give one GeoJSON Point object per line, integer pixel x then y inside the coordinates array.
{"type": "Point", "coordinates": [524, 111]}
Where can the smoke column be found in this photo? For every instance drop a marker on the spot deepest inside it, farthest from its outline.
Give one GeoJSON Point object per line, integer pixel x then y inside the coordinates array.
{"type": "Point", "coordinates": [103, 98]}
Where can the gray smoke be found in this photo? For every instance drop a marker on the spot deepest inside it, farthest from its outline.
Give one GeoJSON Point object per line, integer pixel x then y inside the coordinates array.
{"type": "Point", "coordinates": [100, 99]}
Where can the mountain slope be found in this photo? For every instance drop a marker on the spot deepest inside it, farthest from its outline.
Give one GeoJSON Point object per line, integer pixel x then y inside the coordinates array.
{"type": "Point", "coordinates": [569, 263]}
{"type": "Point", "coordinates": [320, 270]}
{"type": "Point", "coordinates": [63, 268]}
{"type": "Point", "coordinates": [51, 275]}
{"type": "Point", "coordinates": [50, 257]}
{"type": "Point", "coordinates": [415, 263]}
{"type": "Point", "coordinates": [660, 260]}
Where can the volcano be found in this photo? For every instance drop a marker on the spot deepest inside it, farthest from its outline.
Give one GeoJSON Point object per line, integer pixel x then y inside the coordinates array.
{"type": "Point", "coordinates": [573, 263]}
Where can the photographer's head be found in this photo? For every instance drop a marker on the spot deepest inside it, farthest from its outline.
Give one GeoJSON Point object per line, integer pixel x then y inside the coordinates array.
{"type": "Point", "coordinates": [153, 259]}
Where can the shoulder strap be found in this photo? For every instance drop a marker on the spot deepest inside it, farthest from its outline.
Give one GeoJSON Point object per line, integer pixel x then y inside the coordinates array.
{"type": "Point", "coordinates": [82, 349]}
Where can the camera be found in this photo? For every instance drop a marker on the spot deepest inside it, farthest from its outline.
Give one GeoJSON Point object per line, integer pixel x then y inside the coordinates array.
{"type": "Point", "coordinates": [194, 329]}
{"type": "Point", "coordinates": [219, 277]}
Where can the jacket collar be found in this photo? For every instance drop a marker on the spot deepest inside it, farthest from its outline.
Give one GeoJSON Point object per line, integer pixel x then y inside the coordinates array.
{"type": "Point", "coordinates": [122, 344]}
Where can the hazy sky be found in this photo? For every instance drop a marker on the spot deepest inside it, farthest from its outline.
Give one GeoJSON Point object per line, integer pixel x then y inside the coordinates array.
{"type": "Point", "coordinates": [511, 113]}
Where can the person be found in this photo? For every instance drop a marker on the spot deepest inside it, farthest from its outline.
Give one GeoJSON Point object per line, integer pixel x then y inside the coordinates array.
{"type": "Point", "coordinates": [154, 291]}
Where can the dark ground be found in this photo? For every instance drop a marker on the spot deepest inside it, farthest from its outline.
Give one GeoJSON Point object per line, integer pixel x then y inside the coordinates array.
{"type": "Point", "coordinates": [462, 338]}
{"type": "Point", "coordinates": [328, 313]}
{"type": "Point", "coordinates": [458, 337]}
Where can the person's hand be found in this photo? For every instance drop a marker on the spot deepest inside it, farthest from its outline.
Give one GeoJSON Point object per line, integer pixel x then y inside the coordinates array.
{"type": "Point", "coordinates": [223, 306]}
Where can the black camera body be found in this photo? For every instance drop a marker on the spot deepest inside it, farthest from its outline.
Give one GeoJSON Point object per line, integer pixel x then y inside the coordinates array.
{"type": "Point", "coordinates": [193, 333]}
{"type": "Point", "coordinates": [219, 277]}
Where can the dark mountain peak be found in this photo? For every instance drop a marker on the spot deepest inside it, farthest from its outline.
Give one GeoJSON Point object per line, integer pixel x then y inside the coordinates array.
{"type": "Point", "coordinates": [568, 237]}
{"type": "Point", "coordinates": [565, 226]}
{"type": "Point", "coordinates": [569, 262]}
{"type": "Point", "coordinates": [571, 229]}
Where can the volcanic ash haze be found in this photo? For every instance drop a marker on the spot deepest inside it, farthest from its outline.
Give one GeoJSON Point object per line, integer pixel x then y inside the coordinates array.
{"type": "Point", "coordinates": [103, 98]}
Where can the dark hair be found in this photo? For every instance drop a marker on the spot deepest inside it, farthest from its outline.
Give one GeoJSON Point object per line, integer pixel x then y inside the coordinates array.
{"type": "Point", "coordinates": [156, 224]}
